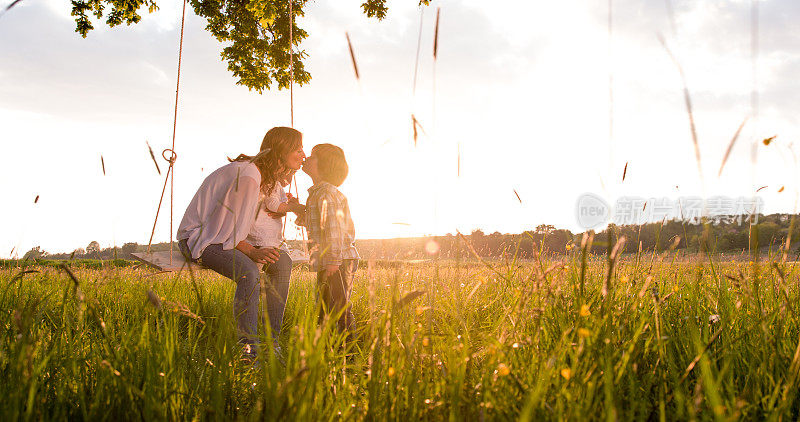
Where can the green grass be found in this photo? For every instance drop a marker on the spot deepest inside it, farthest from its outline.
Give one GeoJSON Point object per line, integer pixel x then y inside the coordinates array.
{"type": "Point", "coordinates": [503, 342]}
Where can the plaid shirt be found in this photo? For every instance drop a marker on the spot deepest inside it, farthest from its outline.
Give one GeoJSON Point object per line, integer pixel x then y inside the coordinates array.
{"type": "Point", "coordinates": [330, 227]}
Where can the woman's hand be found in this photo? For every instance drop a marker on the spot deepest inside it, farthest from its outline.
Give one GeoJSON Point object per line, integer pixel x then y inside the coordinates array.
{"type": "Point", "coordinates": [265, 255]}
{"type": "Point", "coordinates": [331, 270]}
{"type": "Point", "coordinates": [258, 255]}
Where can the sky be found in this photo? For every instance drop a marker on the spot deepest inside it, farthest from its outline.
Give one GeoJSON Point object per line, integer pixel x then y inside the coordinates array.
{"type": "Point", "coordinates": [515, 113]}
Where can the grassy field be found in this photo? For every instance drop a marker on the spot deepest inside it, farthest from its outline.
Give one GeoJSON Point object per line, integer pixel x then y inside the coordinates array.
{"type": "Point", "coordinates": [668, 340]}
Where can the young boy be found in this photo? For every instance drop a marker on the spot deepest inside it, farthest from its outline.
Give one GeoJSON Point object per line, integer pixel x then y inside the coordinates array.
{"type": "Point", "coordinates": [331, 232]}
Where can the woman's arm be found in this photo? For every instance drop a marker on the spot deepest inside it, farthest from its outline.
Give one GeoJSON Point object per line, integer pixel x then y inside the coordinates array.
{"type": "Point", "coordinates": [237, 208]}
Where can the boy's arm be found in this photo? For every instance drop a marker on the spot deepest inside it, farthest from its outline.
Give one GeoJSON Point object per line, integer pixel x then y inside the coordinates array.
{"type": "Point", "coordinates": [292, 206]}
{"type": "Point", "coordinates": [275, 206]}
{"type": "Point", "coordinates": [332, 237]}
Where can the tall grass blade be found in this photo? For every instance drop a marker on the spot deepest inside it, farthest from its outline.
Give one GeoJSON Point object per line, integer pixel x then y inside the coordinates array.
{"type": "Point", "coordinates": [153, 157]}
{"type": "Point", "coordinates": [10, 6]}
{"type": "Point", "coordinates": [352, 55]}
{"type": "Point", "coordinates": [730, 147]}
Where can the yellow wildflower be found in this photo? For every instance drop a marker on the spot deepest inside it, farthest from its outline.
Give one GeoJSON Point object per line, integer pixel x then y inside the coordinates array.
{"type": "Point", "coordinates": [390, 372]}
{"type": "Point", "coordinates": [503, 370]}
{"type": "Point", "coordinates": [566, 373]}
{"type": "Point", "coordinates": [585, 311]}
{"type": "Point", "coordinates": [583, 333]}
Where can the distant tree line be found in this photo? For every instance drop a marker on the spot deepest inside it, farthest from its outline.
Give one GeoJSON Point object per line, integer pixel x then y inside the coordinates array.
{"type": "Point", "coordinates": [723, 234]}
{"type": "Point", "coordinates": [94, 251]}
{"type": "Point", "coordinates": [728, 235]}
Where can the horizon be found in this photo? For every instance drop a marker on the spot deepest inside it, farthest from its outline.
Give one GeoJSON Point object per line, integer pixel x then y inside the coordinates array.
{"type": "Point", "coordinates": [714, 220]}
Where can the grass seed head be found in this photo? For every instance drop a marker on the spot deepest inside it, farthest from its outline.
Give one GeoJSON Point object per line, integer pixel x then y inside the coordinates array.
{"type": "Point", "coordinates": [153, 299]}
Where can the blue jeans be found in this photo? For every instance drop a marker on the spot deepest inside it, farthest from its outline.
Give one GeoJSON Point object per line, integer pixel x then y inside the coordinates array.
{"type": "Point", "coordinates": [335, 294]}
{"type": "Point", "coordinates": [278, 274]}
{"type": "Point", "coordinates": [238, 267]}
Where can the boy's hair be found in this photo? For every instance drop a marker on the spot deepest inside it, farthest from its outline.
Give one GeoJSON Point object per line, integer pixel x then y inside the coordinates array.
{"type": "Point", "coordinates": [331, 164]}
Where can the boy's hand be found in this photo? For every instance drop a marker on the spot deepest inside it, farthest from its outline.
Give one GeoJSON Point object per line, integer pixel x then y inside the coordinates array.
{"type": "Point", "coordinates": [276, 215]}
{"type": "Point", "coordinates": [331, 270]}
{"type": "Point", "coordinates": [301, 219]}
{"type": "Point", "coordinates": [295, 206]}
{"type": "Point", "coordinates": [298, 209]}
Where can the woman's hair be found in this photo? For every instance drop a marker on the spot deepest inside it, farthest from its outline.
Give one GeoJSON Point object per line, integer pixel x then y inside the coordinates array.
{"type": "Point", "coordinates": [277, 144]}
{"type": "Point", "coordinates": [331, 164]}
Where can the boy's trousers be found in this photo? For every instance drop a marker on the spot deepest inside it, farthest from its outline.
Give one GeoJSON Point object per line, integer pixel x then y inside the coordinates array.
{"type": "Point", "coordinates": [334, 292]}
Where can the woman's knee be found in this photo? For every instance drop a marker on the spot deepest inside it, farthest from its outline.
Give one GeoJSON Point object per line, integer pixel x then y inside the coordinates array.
{"type": "Point", "coordinates": [284, 260]}
{"type": "Point", "coordinates": [248, 272]}
{"type": "Point", "coordinates": [252, 274]}
{"type": "Point", "coordinates": [282, 265]}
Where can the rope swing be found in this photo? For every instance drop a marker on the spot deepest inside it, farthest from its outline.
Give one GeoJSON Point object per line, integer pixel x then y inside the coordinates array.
{"type": "Point", "coordinates": [172, 155]}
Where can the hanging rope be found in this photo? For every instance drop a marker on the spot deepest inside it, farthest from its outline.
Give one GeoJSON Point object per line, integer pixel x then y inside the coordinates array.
{"type": "Point", "coordinates": [419, 46]}
{"type": "Point", "coordinates": [414, 122]}
{"type": "Point", "coordinates": [291, 115]}
{"type": "Point", "coordinates": [610, 91]}
{"type": "Point", "coordinates": [291, 97]}
{"type": "Point", "coordinates": [172, 155]}
{"type": "Point", "coordinates": [291, 66]}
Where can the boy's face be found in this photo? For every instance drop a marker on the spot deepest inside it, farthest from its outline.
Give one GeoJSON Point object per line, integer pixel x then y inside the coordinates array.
{"type": "Point", "coordinates": [310, 166]}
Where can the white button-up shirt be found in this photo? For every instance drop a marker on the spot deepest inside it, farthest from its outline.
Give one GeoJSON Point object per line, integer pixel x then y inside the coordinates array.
{"type": "Point", "coordinates": [223, 209]}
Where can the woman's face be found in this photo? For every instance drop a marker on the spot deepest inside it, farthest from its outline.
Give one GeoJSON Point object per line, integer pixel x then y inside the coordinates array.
{"type": "Point", "coordinates": [294, 159]}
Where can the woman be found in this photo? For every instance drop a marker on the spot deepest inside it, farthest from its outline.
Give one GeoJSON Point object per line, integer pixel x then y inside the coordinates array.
{"type": "Point", "coordinates": [219, 217]}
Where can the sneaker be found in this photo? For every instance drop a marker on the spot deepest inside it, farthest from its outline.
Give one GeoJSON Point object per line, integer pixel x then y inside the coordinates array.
{"type": "Point", "coordinates": [249, 354]}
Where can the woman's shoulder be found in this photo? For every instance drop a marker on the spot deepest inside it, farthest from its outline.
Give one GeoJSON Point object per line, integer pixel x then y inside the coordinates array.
{"type": "Point", "coordinates": [245, 169]}
{"type": "Point", "coordinates": [236, 170]}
